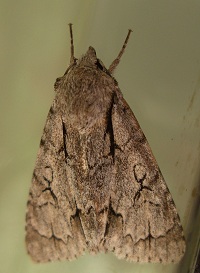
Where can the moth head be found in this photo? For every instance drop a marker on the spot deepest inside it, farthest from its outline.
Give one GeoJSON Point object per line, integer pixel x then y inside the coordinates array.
{"type": "Point", "coordinates": [90, 59]}
{"type": "Point", "coordinates": [90, 55]}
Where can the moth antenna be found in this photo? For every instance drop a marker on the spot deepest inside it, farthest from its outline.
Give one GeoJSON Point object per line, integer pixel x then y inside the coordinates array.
{"type": "Point", "coordinates": [72, 59]}
{"type": "Point", "coordinates": [115, 63]}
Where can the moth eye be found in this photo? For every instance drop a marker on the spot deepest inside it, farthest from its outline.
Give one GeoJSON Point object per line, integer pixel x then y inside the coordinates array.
{"type": "Point", "coordinates": [99, 65]}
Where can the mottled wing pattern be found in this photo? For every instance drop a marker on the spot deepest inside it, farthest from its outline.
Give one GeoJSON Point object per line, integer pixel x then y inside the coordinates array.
{"type": "Point", "coordinates": [53, 224]}
{"type": "Point", "coordinates": [143, 224]}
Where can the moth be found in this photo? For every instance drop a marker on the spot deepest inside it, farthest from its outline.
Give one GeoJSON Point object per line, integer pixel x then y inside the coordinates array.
{"type": "Point", "coordinates": [96, 185]}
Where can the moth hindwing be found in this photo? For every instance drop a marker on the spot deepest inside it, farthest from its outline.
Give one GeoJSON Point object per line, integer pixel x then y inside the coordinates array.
{"type": "Point", "coordinates": [96, 186]}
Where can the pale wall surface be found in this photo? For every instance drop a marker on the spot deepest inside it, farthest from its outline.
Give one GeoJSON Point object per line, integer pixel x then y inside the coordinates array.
{"type": "Point", "coordinates": [159, 76]}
